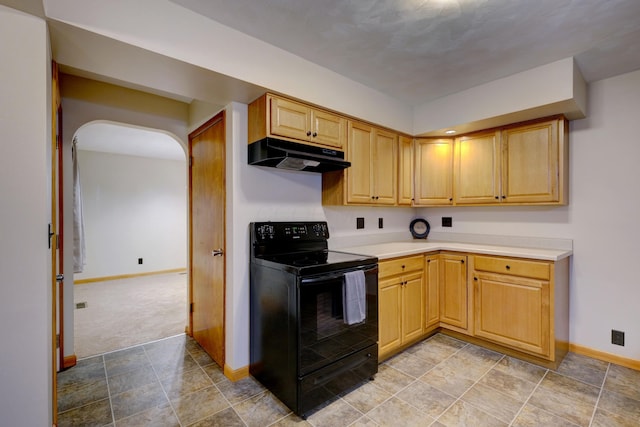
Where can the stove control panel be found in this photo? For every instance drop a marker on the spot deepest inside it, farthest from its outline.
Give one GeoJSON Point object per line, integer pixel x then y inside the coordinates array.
{"type": "Point", "coordinates": [287, 231]}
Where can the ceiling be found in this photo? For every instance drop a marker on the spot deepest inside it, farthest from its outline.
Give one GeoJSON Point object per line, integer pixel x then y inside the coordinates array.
{"type": "Point", "coordinates": [413, 50]}
{"type": "Point", "coordinates": [420, 50]}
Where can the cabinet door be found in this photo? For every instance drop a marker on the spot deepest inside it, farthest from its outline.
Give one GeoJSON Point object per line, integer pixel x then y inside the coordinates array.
{"type": "Point", "coordinates": [477, 169]}
{"type": "Point", "coordinates": [360, 154]}
{"type": "Point", "coordinates": [289, 119]}
{"type": "Point", "coordinates": [412, 307]}
{"type": "Point", "coordinates": [513, 311]}
{"type": "Point", "coordinates": [405, 171]}
{"type": "Point", "coordinates": [434, 171]}
{"type": "Point", "coordinates": [432, 279]}
{"type": "Point", "coordinates": [530, 167]}
{"type": "Point", "coordinates": [328, 129]}
{"type": "Point", "coordinates": [453, 290]}
{"type": "Point", "coordinates": [389, 314]}
{"type": "Point", "coordinates": [385, 163]}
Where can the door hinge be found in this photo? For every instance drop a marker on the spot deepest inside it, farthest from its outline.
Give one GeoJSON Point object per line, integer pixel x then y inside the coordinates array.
{"type": "Point", "coordinates": [191, 308]}
{"type": "Point", "coordinates": [58, 341]}
{"type": "Point", "coordinates": [50, 233]}
{"type": "Point", "coordinates": [190, 161]}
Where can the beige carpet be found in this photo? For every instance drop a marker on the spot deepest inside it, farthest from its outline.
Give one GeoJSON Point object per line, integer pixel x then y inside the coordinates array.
{"type": "Point", "coordinates": [122, 313]}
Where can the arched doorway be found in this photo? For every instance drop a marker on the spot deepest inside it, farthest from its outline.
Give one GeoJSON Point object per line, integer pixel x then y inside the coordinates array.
{"type": "Point", "coordinates": [133, 287]}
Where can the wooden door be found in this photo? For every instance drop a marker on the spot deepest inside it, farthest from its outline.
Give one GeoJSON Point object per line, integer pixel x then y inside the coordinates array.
{"type": "Point", "coordinates": [525, 325]}
{"type": "Point", "coordinates": [405, 171]}
{"type": "Point", "coordinates": [389, 315]}
{"type": "Point", "coordinates": [328, 129]}
{"type": "Point", "coordinates": [477, 169]}
{"type": "Point", "coordinates": [289, 119]}
{"type": "Point", "coordinates": [412, 307]}
{"type": "Point", "coordinates": [453, 290]}
{"type": "Point", "coordinates": [207, 236]}
{"type": "Point", "coordinates": [530, 167]}
{"type": "Point", "coordinates": [434, 172]}
{"type": "Point", "coordinates": [385, 167]}
{"type": "Point", "coordinates": [432, 280]}
{"type": "Point", "coordinates": [360, 154]}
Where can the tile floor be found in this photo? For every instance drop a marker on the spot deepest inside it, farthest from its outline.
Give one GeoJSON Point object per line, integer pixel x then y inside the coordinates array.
{"type": "Point", "coordinates": [438, 382]}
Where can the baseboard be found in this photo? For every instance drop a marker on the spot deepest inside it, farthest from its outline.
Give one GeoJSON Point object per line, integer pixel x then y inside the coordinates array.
{"type": "Point", "coordinates": [69, 361]}
{"type": "Point", "coordinates": [127, 276]}
{"type": "Point", "coordinates": [237, 374]}
{"type": "Point", "coordinates": [606, 357]}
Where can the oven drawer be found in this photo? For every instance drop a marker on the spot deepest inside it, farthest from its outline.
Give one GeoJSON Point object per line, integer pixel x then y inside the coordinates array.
{"type": "Point", "coordinates": [400, 265]}
{"type": "Point", "coordinates": [524, 268]}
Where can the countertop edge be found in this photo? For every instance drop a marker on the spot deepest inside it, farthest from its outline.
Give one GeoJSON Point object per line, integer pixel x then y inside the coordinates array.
{"type": "Point", "coordinates": [397, 249]}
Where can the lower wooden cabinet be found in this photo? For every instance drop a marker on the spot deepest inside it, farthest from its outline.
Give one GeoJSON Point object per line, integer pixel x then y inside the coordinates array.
{"type": "Point", "coordinates": [453, 290]}
{"type": "Point", "coordinates": [400, 303]}
{"type": "Point", "coordinates": [513, 311]}
{"type": "Point", "coordinates": [519, 306]}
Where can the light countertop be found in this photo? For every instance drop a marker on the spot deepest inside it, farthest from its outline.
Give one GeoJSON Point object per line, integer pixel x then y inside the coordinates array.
{"type": "Point", "coordinates": [413, 247]}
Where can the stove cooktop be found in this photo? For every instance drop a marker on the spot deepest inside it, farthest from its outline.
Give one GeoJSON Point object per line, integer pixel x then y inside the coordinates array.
{"type": "Point", "coordinates": [310, 262]}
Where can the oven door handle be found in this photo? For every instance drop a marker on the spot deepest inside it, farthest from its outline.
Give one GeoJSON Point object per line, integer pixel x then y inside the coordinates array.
{"type": "Point", "coordinates": [336, 275]}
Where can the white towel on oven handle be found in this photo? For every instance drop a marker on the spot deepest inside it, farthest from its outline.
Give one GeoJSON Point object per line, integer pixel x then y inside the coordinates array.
{"type": "Point", "coordinates": [354, 295]}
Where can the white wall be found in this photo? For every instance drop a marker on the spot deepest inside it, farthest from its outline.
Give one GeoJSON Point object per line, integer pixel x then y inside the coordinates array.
{"type": "Point", "coordinates": [25, 209]}
{"type": "Point", "coordinates": [198, 40]}
{"type": "Point", "coordinates": [134, 207]}
{"type": "Point", "coordinates": [601, 218]}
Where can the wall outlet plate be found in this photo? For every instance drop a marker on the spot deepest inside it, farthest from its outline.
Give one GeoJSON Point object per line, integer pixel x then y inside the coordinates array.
{"type": "Point", "coordinates": [380, 223]}
{"type": "Point", "coordinates": [617, 337]}
{"type": "Point", "coordinates": [359, 223]}
{"type": "Point", "coordinates": [447, 221]}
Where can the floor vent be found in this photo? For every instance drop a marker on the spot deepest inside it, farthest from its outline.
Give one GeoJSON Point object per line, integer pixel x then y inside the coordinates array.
{"type": "Point", "coordinates": [81, 305]}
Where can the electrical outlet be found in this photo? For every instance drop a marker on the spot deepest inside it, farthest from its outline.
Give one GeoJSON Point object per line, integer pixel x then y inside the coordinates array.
{"type": "Point", "coordinates": [617, 337]}
{"type": "Point", "coordinates": [359, 223]}
{"type": "Point", "coordinates": [380, 223]}
{"type": "Point", "coordinates": [447, 221]}
{"type": "Point", "coordinates": [139, 260]}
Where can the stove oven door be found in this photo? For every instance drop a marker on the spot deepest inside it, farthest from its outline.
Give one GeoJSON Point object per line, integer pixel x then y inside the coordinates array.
{"type": "Point", "coordinates": [324, 336]}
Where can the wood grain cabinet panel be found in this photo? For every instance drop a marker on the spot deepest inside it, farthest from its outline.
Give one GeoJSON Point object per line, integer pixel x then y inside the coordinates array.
{"type": "Point", "coordinates": [434, 172]}
{"type": "Point", "coordinates": [477, 169]}
{"type": "Point", "coordinates": [372, 178]}
{"type": "Point", "coordinates": [453, 290]}
{"type": "Point", "coordinates": [405, 171]}
{"type": "Point", "coordinates": [400, 303]}
{"type": "Point", "coordinates": [432, 293]}
{"type": "Point", "coordinates": [513, 311]}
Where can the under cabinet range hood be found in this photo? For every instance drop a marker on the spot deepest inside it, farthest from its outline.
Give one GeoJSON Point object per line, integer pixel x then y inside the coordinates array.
{"type": "Point", "coordinates": [277, 153]}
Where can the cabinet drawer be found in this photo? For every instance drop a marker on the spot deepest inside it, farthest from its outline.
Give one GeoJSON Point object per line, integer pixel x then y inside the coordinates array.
{"type": "Point", "coordinates": [533, 269]}
{"type": "Point", "coordinates": [400, 265]}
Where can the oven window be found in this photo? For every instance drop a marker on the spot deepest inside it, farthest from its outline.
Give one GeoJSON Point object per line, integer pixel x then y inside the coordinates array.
{"type": "Point", "coordinates": [324, 335]}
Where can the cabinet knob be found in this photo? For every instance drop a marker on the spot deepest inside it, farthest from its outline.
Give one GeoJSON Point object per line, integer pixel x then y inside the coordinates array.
{"type": "Point", "coordinates": [497, 197]}
{"type": "Point", "coordinates": [315, 134]}
{"type": "Point", "coordinates": [403, 267]}
{"type": "Point", "coordinates": [508, 267]}
{"type": "Point", "coordinates": [475, 278]}
{"type": "Point", "coordinates": [462, 261]}
{"type": "Point", "coordinates": [504, 197]}
{"type": "Point", "coordinates": [377, 197]}
{"type": "Point", "coordinates": [373, 197]}
{"type": "Point", "coordinates": [451, 199]}
{"type": "Point", "coordinates": [308, 133]}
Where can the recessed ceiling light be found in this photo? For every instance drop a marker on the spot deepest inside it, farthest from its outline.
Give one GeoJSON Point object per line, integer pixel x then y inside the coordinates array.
{"type": "Point", "coordinates": [450, 132]}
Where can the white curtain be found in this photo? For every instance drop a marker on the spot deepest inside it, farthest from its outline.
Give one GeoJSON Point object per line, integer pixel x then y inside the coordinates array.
{"type": "Point", "coordinates": [79, 250]}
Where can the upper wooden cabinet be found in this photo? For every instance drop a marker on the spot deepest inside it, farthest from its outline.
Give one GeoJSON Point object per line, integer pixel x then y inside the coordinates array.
{"type": "Point", "coordinates": [274, 116]}
{"type": "Point", "coordinates": [434, 172]}
{"type": "Point", "coordinates": [520, 164]}
{"type": "Point", "coordinates": [405, 171]}
{"type": "Point", "coordinates": [477, 168]}
{"type": "Point", "coordinates": [372, 177]}
{"type": "Point", "coordinates": [534, 162]}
